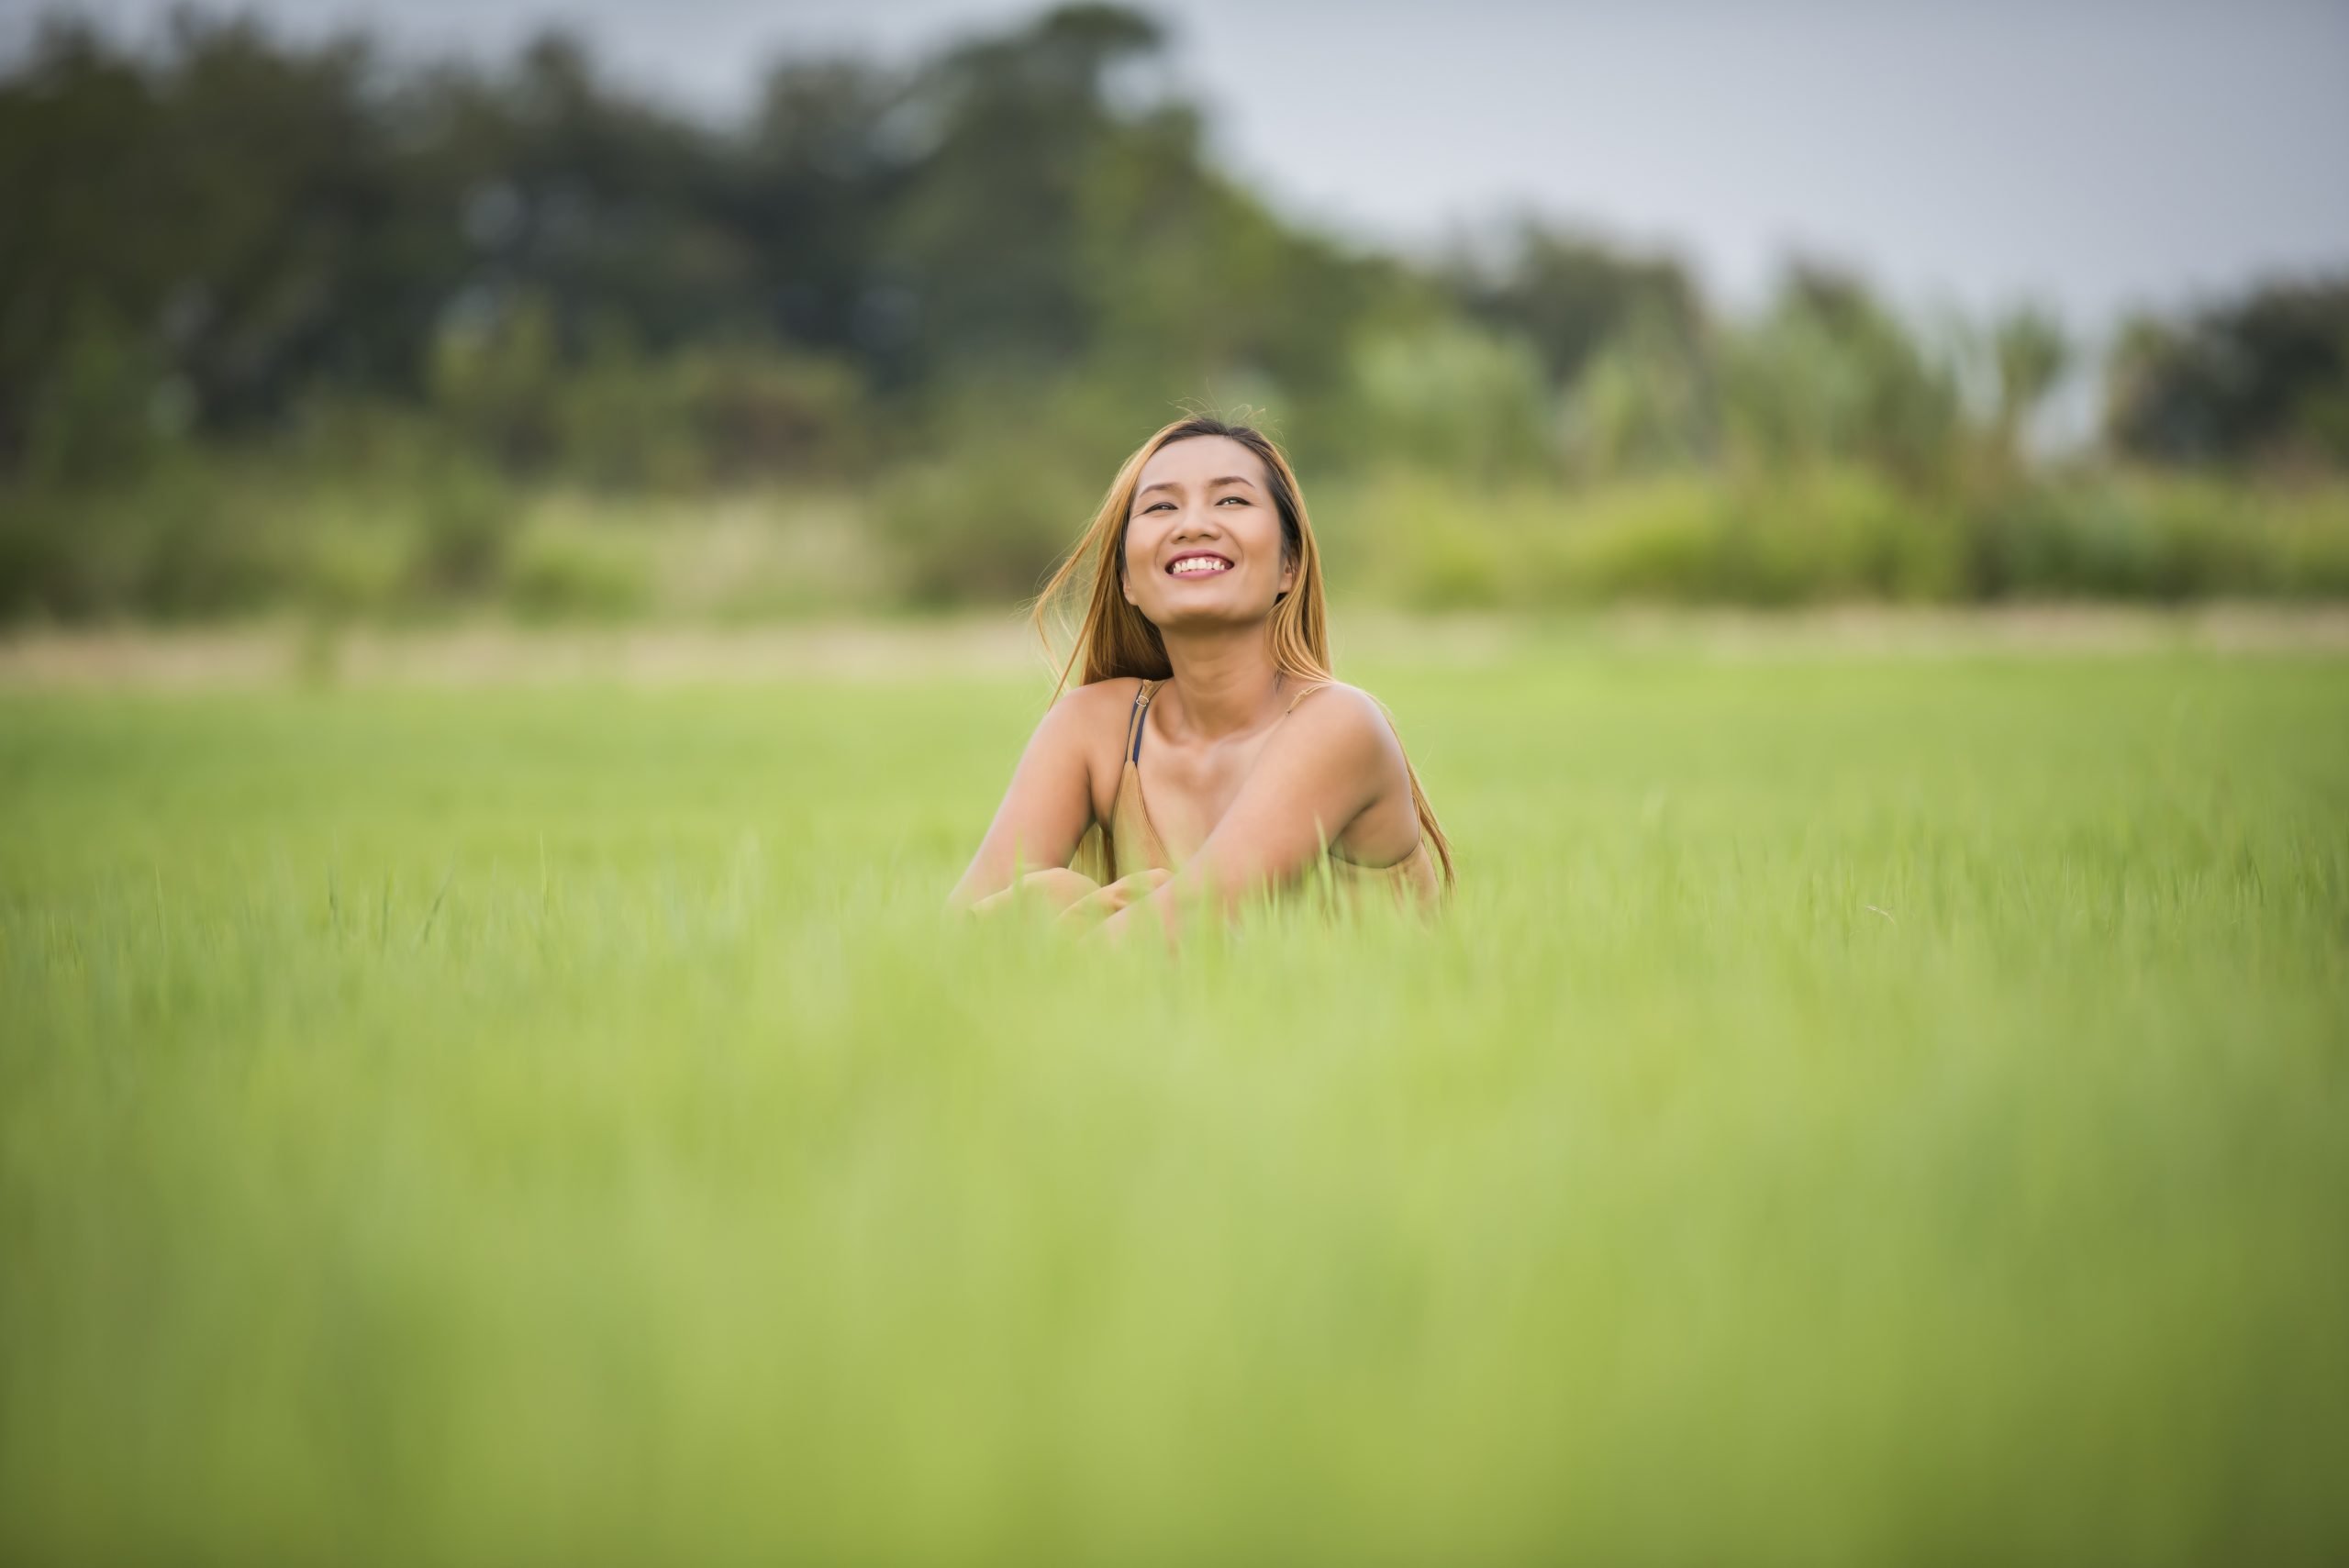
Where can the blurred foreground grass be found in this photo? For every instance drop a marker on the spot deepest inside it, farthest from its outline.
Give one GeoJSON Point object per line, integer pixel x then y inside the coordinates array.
{"type": "Point", "coordinates": [1856, 1111]}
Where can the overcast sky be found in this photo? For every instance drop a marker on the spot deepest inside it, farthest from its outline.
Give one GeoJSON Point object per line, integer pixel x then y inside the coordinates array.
{"type": "Point", "coordinates": [2091, 156]}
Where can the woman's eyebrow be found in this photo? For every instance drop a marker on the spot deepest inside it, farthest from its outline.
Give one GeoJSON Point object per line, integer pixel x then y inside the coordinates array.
{"type": "Point", "coordinates": [1171, 484]}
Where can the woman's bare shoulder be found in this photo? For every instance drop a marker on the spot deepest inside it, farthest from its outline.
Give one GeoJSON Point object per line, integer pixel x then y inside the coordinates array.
{"type": "Point", "coordinates": [1110, 691]}
{"type": "Point", "coordinates": [1338, 697]}
{"type": "Point", "coordinates": [1348, 718]}
{"type": "Point", "coordinates": [1086, 706]}
{"type": "Point", "coordinates": [1091, 717]}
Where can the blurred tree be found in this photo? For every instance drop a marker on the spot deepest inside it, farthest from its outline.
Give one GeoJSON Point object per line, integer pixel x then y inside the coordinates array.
{"type": "Point", "coordinates": [2031, 352]}
{"type": "Point", "coordinates": [1195, 292]}
{"type": "Point", "coordinates": [267, 216]}
{"type": "Point", "coordinates": [218, 231]}
{"type": "Point", "coordinates": [2263, 378]}
{"type": "Point", "coordinates": [1828, 372]}
{"type": "Point", "coordinates": [497, 376]}
{"type": "Point", "coordinates": [1061, 221]}
{"type": "Point", "coordinates": [1644, 401]}
{"type": "Point", "coordinates": [619, 207]}
{"type": "Point", "coordinates": [1457, 399]}
{"type": "Point", "coordinates": [830, 156]}
{"type": "Point", "coordinates": [1570, 295]}
{"type": "Point", "coordinates": [224, 205]}
{"type": "Point", "coordinates": [1622, 335]}
{"type": "Point", "coordinates": [983, 256]}
{"type": "Point", "coordinates": [104, 408]}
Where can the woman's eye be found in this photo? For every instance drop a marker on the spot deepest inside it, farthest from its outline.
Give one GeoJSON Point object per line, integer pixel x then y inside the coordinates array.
{"type": "Point", "coordinates": [1169, 506]}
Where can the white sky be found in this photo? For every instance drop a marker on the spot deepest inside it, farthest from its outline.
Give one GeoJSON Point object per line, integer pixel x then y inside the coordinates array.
{"type": "Point", "coordinates": [2091, 156]}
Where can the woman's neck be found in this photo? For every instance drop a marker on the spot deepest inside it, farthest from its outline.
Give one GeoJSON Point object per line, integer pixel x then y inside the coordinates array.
{"type": "Point", "coordinates": [1226, 679]}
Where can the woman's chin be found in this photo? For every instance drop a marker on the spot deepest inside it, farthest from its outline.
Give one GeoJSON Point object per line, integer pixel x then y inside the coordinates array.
{"type": "Point", "coordinates": [1206, 613]}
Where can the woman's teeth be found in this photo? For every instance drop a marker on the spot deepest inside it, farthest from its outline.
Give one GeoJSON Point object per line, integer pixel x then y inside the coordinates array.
{"type": "Point", "coordinates": [1194, 565]}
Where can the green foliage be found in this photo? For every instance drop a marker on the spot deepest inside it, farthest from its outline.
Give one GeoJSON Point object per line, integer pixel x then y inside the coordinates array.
{"type": "Point", "coordinates": [1896, 1104]}
{"type": "Point", "coordinates": [2121, 537]}
{"type": "Point", "coordinates": [982, 526]}
{"type": "Point", "coordinates": [467, 520]}
{"type": "Point", "coordinates": [1454, 400]}
{"type": "Point", "coordinates": [312, 284]}
{"type": "Point", "coordinates": [1014, 123]}
{"type": "Point", "coordinates": [1829, 376]}
{"type": "Point", "coordinates": [985, 524]}
{"type": "Point", "coordinates": [2031, 352]}
{"type": "Point", "coordinates": [1643, 404]}
{"type": "Point", "coordinates": [1829, 534]}
{"type": "Point", "coordinates": [1573, 296]}
{"type": "Point", "coordinates": [179, 544]}
{"type": "Point", "coordinates": [106, 411]}
{"type": "Point", "coordinates": [574, 575]}
{"type": "Point", "coordinates": [498, 380]}
{"type": "Point", "coordinates": [697, 418]}
{"type": "Point", "coordinates": [2264, 378]}
{"type": "Point", "coordinates": [226, 204]}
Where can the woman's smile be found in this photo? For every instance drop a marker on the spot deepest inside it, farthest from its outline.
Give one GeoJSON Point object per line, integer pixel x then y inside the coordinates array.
{"type": "Point", "coordinates": [1198, 564]}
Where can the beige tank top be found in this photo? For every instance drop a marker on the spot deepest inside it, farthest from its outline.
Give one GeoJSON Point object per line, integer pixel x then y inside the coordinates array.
{"type": "Point", "coordinates": [1130, 842]}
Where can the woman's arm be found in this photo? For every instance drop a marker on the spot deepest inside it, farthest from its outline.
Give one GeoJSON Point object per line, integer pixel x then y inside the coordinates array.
{"type": "Point", "coordinates": [1332, 759]}
{"type": "Point", "coordinates": [1046, 808]}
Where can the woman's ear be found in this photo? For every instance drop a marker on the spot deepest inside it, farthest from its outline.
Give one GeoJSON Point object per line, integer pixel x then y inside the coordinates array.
{"type": "Point", "coordinates": [1288, 573]}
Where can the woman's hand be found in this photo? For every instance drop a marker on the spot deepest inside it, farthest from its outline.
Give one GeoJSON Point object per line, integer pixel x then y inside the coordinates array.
{"type": "Point", "coordinates": [1053, 889]}
{"type": "Point", "coordinates": [1106, 908]}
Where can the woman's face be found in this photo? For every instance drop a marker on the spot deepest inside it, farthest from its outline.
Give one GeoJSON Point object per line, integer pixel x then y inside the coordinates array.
{"type": "Point", "coordinates": [1203, 541]}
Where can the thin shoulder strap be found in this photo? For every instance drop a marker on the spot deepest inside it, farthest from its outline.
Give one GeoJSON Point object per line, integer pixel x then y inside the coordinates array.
{"type": "Point", "coordinates": [1134, 717]}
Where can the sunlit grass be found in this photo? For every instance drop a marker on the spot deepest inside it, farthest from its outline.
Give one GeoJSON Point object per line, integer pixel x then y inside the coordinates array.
{"type": "Point", "coordinates": [1853, 1112]}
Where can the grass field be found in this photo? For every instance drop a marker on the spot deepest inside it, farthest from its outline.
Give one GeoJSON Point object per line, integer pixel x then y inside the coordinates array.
{"type": "Point", "coordinates": [1859, 1109]}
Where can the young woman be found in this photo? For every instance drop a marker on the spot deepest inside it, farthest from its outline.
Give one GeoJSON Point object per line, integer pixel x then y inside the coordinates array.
{"type": "Point", "coordinates": [1208, 753]}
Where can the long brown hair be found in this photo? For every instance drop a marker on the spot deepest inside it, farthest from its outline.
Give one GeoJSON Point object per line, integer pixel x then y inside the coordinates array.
{"type": "Point", "coordinates": [1114, 638]}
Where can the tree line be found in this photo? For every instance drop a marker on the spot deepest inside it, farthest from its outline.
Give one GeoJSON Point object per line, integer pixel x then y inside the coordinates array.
{"type": "Point", "coordinates": [925, 284]}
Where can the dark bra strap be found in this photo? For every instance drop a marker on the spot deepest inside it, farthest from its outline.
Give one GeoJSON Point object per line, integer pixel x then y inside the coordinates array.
{"type": "Point", "coordinates": [1135, 716]}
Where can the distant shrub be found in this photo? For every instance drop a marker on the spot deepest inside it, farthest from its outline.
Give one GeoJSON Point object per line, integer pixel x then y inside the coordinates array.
{"type": "Point", "coordinates": [108, 409]}
{"type": "Point", "coordinates": [761, 414]}
{"type": "Point", "coordinates": [204, 550]}
{"type": "Point", "coordinates": [1460, 569]}
{"type": "Point", "coordinates": [43, 556]}
{"type": "Point", "coordinates": [578, 574]}
{"type": "Point", "coordinates": [983, 525]}
{"type": "Point", "coordinates": [184, 540]}
{"type": "Point", "coordinates": [1837, 535]}
{"type": "Point", "coordinates": [464, 518]}
{"type": "Point", "coordinates": [710, 416]}
{"type": "Point", "coordinates": [1667, 539]}
{"type": "Point", "coordinates": [355, 565]}
{"type": "Point", "coordinates": [2310, 540]}
{"type": "Point", "coordinates": [197, 536]}
{"type": "Point", "coordinates": [2142, 536]}
{"type": "Point", "coordinates": [506, 390]}
{"type": "Point", "coordinates": [1454, 398]}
